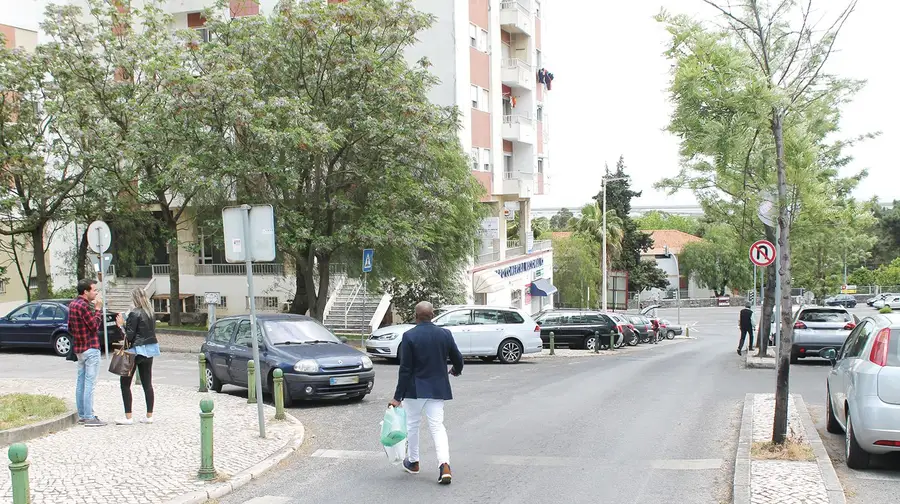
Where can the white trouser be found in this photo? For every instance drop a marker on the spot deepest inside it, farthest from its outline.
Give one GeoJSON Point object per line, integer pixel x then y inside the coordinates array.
{"type": "Point", "coordinates": [434, 411]}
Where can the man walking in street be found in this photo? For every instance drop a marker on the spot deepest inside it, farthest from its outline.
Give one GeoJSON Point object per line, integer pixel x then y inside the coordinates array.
{"type": "Point", "coordinates": [423, 386]}
{"type": "Point", "coordinates": [85, 318]}
{"type": "Point", "coordinates": [746, 324]}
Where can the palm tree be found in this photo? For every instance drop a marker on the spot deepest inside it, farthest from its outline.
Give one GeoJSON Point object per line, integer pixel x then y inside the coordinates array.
{"type": "Point", "coordinates": [590, 225]}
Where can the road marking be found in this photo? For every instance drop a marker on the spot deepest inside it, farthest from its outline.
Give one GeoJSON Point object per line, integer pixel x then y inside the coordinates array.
{"type": "Point", "coordinates": [268, 499]}
{"type": "Point", "coordinates": [876, 475]}
{"type": "Point", "coordinates": [545, 461]}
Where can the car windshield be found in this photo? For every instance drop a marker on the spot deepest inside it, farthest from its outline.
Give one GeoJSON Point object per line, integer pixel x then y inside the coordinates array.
{"type": "Point", "coordinates": [297, 332]}
{"type": "Point", "coordinates": [825, 316]}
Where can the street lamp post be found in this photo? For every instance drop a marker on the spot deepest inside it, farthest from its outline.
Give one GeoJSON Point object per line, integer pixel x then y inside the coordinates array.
{"type": "Point", "coordinates": [603, 182]}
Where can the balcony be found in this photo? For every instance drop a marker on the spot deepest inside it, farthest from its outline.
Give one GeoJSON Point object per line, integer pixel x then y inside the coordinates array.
{"type": "Point", "coordinates": [518, 128]}
{"type": "Point", "coordinates": [261, 269]}
{"type": "Point", "coordinates": [514, 248]}
{"type": "Point", "coordinates": [516, 18]}
{"type": "Point", "coordinates": [518, 183]}
{"type": "Point", "coordinates": [486, 257]}
{"type": "Point", "coordinates": [516, 73]}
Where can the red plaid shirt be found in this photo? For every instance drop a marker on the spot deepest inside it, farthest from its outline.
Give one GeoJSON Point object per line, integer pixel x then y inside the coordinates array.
{"type": "Point", "coordinates": [84, 322]}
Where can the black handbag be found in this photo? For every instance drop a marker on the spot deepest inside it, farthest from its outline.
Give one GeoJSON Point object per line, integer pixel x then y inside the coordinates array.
{"type": "Point", "coordinates": [121, 362]}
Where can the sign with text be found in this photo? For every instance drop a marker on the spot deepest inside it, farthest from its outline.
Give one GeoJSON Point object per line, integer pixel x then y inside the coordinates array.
{"type": "Point", "coordinates": [522, 267]}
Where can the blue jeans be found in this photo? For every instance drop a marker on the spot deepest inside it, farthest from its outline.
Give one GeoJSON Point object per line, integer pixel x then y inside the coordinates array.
{"type": "Point", "coordinates": [88, 368]}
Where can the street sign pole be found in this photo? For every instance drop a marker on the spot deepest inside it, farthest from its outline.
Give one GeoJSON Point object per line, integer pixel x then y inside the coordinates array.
{"type": "Point", "coordinates": [103, 294]}
{"type": "Point", "coordinates": [248, 263]}
{"type": "Point", "coordinates": [367, 262]}
{"type": "Point", "coordinates": [754, 286]}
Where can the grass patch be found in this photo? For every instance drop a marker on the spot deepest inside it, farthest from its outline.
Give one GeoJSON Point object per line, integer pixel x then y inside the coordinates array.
{"type": "Point", "coordinates": [790, 450]}
{"type": "Point", "coordinates": [18, 410]}
{"type": "Point", "coordinates": [182, 327]}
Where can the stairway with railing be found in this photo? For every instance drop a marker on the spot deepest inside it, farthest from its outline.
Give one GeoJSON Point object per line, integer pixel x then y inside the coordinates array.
{"type": "Point", "coordinates": [351, 310]}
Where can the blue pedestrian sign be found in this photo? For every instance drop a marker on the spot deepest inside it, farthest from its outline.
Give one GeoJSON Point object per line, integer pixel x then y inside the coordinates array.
{"type": "Point", "coordinates": [368, 257]}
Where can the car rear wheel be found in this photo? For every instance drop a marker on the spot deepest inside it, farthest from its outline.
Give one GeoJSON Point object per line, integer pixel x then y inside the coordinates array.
{"type": "Point", "coordinates": [212, 383]}
{"type": "Point", "coordinates": [670, 335]}
{"type": "Point", "coordinates": [833, 426]}
{"type": "Point", "coordinates": [857, 458]}
{"type": "Point", "coordinates": [645, 339]}
{"type": "Point", "coordinates": [590, 342]}
{"type": "Point", "coordinates": [510, 351]}
{"type": "Point", "coordinates": [633, 341]}
{"type": "Point", "coordinates": [62, 343]}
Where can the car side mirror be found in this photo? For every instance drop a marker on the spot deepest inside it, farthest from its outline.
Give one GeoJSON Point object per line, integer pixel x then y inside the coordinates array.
{"type": "Point", "coordinates": [830, 354]}
{"type": "Point", "coordinates": [343, 339]}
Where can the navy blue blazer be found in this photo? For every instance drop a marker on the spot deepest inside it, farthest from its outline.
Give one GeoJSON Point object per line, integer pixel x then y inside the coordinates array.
{"type": "Point", "coordinates": [424, 351]}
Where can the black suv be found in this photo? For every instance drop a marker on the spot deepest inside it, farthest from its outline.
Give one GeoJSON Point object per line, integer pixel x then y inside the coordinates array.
{"type": "Point", "coordinates": [576, 328]}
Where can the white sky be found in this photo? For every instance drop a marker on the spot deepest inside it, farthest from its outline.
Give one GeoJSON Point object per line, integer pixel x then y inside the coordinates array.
{"type": "Point", "coordinates": [609, 94]}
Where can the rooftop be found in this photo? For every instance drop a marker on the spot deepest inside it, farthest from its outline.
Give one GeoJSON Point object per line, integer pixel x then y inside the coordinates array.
{"type": "Point", "coordinates": [676, 240]}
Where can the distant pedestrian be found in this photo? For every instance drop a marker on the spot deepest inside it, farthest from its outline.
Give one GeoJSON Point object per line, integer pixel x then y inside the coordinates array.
{"type": "Point", "coordinates": [423, 386]}
{"type": "Point", "coordinates": [140, 333]}
{"type": "Point", "coordinates": [85, 319]}
{"type": "Point", "coordinates": [746, 323]}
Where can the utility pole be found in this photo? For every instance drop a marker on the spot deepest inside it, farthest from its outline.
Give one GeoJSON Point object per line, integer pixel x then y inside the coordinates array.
{"type": "Point", "coordinates": [603, 185]}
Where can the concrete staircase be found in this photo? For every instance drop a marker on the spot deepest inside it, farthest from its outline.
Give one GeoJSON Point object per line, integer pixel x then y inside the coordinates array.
{"type": "Point", "coordinates": [118, 293]}
{"type": "Point", "coordinates": [340, 320]}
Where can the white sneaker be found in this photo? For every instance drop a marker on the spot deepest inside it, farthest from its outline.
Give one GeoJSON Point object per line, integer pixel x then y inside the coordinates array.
{"type": "Point", "coordinates": [148, 420]}
{"type": "Point", "coordinates": [125, 421]}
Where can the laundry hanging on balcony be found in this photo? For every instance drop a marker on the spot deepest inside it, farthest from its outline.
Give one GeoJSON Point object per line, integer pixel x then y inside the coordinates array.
{"type": "Point", "coordinates": [545, 78]}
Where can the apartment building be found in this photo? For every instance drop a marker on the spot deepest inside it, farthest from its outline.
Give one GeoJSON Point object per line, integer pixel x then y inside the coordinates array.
{"type": "Point", "coordinates": [487, 55]}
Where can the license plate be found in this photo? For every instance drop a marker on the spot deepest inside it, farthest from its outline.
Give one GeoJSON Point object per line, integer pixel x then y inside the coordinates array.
{"type": "Point", "coordinates": [345, 380]}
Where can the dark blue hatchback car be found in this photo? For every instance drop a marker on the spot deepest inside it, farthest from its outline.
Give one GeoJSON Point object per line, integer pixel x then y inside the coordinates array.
{"type": "Point", "coordinates": [45, 324]}
{"type": "Point", "coordinates": [316, 364]}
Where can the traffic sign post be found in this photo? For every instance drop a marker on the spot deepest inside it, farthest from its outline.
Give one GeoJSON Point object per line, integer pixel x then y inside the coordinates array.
{"type": "Point", "coordinates": [368, 260]}
{"type": "Point", "coordinates": [250, 236]}
{"type": "Point", "coordinates": [762, 253]}
{"type": "Point", "coordinates": [99, 239]}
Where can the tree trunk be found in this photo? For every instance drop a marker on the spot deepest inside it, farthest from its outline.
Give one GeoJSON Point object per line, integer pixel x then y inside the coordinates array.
{"type": "Point", "coordinates": [782, 383]}
{"type": "Point", "coordinates": [765, 320]}
{"type": "Point", "coordinates": [320, 299]}
{"type": "Point", "coordinates": [81, 256]}
{"type": "Point", "coordinates": [174, 273]}
{"type": "Point", "coordinates": [40, 263]}
{"type": "Point", "coordinates": [300, 304]}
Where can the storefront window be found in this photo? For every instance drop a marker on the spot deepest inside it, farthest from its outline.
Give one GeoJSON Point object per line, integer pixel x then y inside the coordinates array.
{"type": "Point", "coordinates": [480, 299]}
{"type": "Point", "coordinates": [517, 298]}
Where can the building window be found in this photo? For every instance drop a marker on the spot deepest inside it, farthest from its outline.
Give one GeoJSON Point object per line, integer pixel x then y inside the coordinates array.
{"type": "Point", "coordinates": [478, 38]}
{"type": "Point", "coordinates": [486, 159]}
{"type": "Point", "coordinates": [485, 100]}
{"type": "Point", "coordinates": [33, 283]}
{"type": "Point", "coordinates": [267, 303]}
{"type": "Point", "coordinates": [507, 163]}
{"type": "Point", "coordinates": [516, 299]}
{"type": "Point", "coordinates": [537, 8]}
{"type": "Point", "coordinates": [2, 286]}
{"type": "Point", "coordinates": [480, 299]}
{"type": "Point", "coordinates": [541, 165]}
{"type": "Point", "coordinates": [161, 305]}
{"type": "Point", "coordinates": [540, 113]}
{"type": "Point", "coordinates": [474, 95]}
{"type": "Point", "coordinates": [507, 107]}
{"type": "Point", "coordinates": [473, 35]}
{"type": "Point", "coordinates": [201, 301]}
{"type": "Point", "coordinates": [475, 159]}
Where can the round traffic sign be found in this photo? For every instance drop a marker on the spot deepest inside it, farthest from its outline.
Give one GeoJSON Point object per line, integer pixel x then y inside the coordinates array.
{"type": "Point", "coordinates": [99, 237]}
{"type": "Point", "coordinates": [762, 253]}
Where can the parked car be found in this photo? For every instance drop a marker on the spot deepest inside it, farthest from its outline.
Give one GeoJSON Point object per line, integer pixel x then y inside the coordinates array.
{"type": "Point", "coordinates": [626, 329]}
{"type": "Point", "coordinates": [863, 390]}
{"type": "Point", "coordinates": [45, 324]}
{"type": "Point", "coordinates": [480, 331]}
{"type": "Point", "coordinates": [845, 300]}
{"type": "Point", "coordinates": [817, 328]}
{"type": "Point", "coordinates": [878, 297]}
{"type": "Point", "coordinates": [575, 328]}
{"type": "Point", "coordinates": [670, 329]}
{"type": "Point", "coordinates": [892, 300]}
{"type": "Point", "coordinates": [643, 326]}
{"type": "Point", "coordinates": [316, 363]}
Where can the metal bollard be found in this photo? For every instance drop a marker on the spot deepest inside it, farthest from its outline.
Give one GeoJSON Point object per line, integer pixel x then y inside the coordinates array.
{"type": "Point", "coordinates": [207, 467]}
{"type": "Point", "coordinates": [597, 342]}
{"type": "Point", "coordinates": [687, 332]}
{"type": "Point", "coordinates": [278, 393]}
{"type": "Point", "coordinates": [202, 360]}
{"type": "Point", "coordinates": [552, 343]}
{"type": "Point", "coordinates": [21, 490]}
{"type": "Point", "coordinates": [251, 382]}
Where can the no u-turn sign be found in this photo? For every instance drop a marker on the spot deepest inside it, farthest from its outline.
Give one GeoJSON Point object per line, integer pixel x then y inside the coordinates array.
{"type": "Point", "coordinates": [762, 253]}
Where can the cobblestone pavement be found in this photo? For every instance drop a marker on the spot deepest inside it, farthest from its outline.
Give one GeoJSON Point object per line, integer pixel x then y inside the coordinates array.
{"type": "Point", "coordinates": [179, 343]}
{"type": "Point", "coordinates": [140, 464]}
{"type": "Point", "coordinates": [779, 482]}
{"type": "Point", "coordinates": [764, 413]}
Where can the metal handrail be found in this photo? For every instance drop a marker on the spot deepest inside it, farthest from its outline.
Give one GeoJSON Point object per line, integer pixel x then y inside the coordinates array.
{"type": "Point", "coordinates": [513, 244]}
{"type": "Point", "coordinates": [517, 174]}
{"type": "Point", "coordinates": [518, 119]}
{"type": "Point", "coordinates": [350, 304]}
{"type": "Point", "coordinates": [516, 63]}
{"type": "Point", "coordinates": [513, 4]}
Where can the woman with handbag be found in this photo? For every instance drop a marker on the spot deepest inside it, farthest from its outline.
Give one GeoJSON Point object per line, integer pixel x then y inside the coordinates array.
{"type": "Point", "coordinates": [140, 340]}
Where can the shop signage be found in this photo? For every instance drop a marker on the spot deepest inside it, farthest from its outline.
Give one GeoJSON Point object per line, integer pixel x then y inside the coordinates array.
{"type": "Point", "coordinates": [522, 267]}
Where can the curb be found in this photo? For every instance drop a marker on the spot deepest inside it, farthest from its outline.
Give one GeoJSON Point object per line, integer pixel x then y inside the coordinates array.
{"type": "Point", "coordinates": [240, 479]}
{"type": "Point", "coordinates": [39, 429]}
{"type": "Point", "coordinates": [829, 476]}
{"type": "Point", "coordinates": [753, 362]}
{"type": "Point", "coordinates": [741, 486]}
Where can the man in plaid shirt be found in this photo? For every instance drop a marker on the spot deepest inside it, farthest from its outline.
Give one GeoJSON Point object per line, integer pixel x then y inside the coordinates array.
{"type": "Point", "coordinates": [85, 319]}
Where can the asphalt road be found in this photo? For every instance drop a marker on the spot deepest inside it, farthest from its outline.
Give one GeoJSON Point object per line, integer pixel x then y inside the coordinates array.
{"type": "Point", "coordinates": [654, 426]}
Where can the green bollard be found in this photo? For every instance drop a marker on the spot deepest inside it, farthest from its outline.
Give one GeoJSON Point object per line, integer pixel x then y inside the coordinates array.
{"type": "Point", "coordinates": [21, 491]}
{"type": "Point", "coordinates": [207, 468]}
{"type": "Point", "coordinates": [552, 343]}
{"type": "Point", "coordinates": [687, 332]}
{"type": "Point", "coordinates": [202, 360]}
{"type": "Point", "coordinates": [597, 342]}
{"type": "Point", "coordinates": [278, 393]}
{"type": "Point", "coordinates": [251, 382]}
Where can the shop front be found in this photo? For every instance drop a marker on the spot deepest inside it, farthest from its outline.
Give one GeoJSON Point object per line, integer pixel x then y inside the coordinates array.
{"type": "Point", "coordinates": [524, 282]}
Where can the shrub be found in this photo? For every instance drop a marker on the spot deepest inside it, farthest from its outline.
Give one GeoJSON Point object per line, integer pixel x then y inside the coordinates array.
{"type": "Point", "coordinates": [886, 309]}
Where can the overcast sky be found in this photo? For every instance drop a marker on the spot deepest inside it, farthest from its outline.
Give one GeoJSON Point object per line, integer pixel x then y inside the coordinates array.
{"type": "Point", "coordinates": [609, 94]}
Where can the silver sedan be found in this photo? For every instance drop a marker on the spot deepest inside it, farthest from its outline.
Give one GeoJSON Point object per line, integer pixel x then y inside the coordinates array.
{"type": "Point", "coordinates": [864, 389]}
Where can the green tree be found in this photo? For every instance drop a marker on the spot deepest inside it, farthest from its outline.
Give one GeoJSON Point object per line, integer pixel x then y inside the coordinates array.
{"type": "Point", "coordinates": [590, 226]}
{"type": "Point", "coordinates": [559, 221]}
{"type": "Point", "coordinates": [656, 220]}
{"type": "Point", "coordinates": [540, 227]}
{"type": "Point", "coordinates": [717, 262]}
{"type": "Point", "coordinates": [575, 270]}
{"type": "Point", "coordinates": [341, 138]}
{"type": "Point", "coordinates": [887, 229]}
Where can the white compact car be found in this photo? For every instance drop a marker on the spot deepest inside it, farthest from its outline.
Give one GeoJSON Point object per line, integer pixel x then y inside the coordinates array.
{"type": "Point", "coordinates": [480, 331]}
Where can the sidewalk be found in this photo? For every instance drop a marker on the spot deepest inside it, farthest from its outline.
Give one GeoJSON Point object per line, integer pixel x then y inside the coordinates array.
{"type": "Point", "coordinates": [148, 464]}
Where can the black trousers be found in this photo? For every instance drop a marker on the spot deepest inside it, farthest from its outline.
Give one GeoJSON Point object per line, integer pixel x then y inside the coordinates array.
{"type": "Point", "coordinates": [144, 365]}
{"type": "Point", "coordinates": [745, 334]}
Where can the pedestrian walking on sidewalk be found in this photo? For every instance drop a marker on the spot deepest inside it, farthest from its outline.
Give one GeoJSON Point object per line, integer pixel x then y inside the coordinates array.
{"type": "Point", "coordinates": [423, 386]}
{"type": "Point", "coordinates": [85, 318]}
{"type": "Point", "coordinates": [140, 333]}
{"type": "Point", "coordinates": [746, 323]}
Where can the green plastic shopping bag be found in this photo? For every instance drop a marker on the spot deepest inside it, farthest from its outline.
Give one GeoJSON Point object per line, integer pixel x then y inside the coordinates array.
{"type": "Point", "coordinates": [393, 427]}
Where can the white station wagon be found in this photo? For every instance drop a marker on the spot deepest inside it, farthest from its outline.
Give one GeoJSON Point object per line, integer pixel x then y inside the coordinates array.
{"type": "Point", "coordinates": [487, 332]}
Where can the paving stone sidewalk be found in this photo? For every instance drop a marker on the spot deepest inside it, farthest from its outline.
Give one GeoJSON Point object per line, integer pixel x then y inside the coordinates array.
{"type": "Point", "coordinates": [142, 464]}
